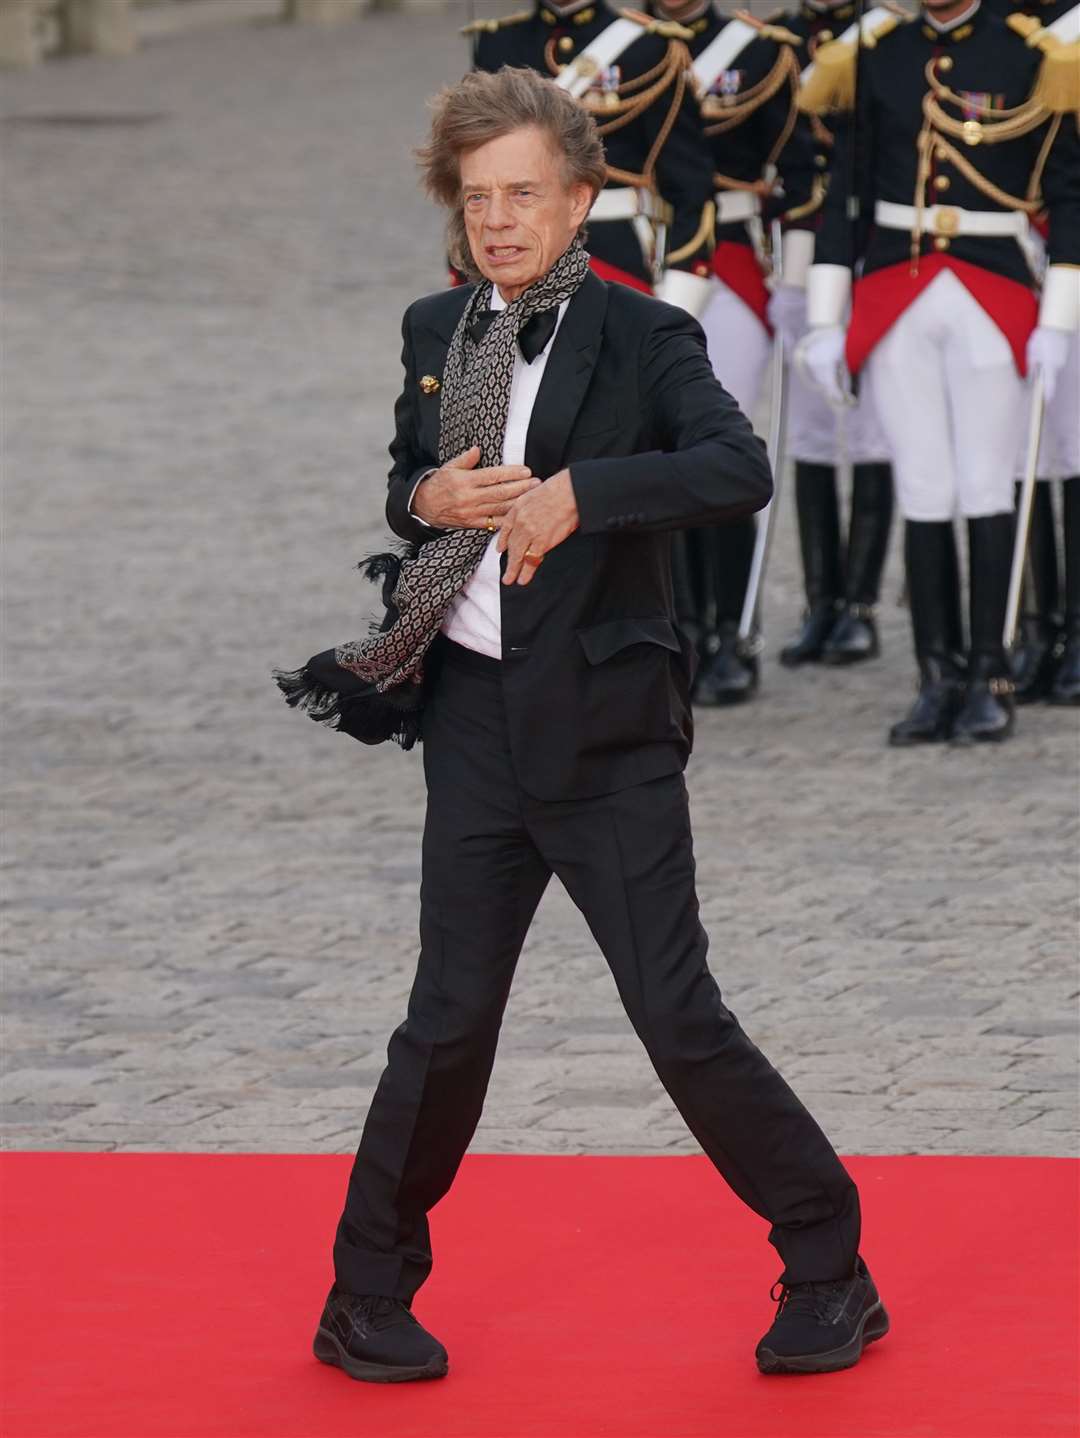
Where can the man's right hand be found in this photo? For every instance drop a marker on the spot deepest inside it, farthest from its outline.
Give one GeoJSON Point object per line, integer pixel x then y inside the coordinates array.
{"type": "Point", "coordinates": [460, 496]}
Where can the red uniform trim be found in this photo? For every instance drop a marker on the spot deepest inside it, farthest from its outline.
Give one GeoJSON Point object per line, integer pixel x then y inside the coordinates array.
{"type": "Point", "coordinates": [879, 299]}
{"type": "Point", "coordinates": [603, 271]}
{"type": "Point", "coordinates": [737, 267]}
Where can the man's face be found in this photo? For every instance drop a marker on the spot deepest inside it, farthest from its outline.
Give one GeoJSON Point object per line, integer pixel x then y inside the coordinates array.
{"type": "Point", "coordinates": [519, 214]}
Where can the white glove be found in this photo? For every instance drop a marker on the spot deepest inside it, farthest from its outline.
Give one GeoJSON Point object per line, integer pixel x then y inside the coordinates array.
{"type": "Point", "coordinates": [819, 358]}
{"type": "Point", "coordinates": [1048, 350]}
{"type": "Point", "coordinates": [787, 313]}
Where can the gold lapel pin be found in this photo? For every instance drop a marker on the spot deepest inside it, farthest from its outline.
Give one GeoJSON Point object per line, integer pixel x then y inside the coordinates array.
{"type": "Point", "coordinates": [429, 384]}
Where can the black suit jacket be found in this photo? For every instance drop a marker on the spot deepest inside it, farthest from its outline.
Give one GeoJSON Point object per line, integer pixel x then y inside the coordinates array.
{"type": "Point", "coordinates": [595, 675]}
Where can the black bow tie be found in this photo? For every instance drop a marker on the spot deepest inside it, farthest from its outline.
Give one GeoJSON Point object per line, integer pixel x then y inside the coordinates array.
{"type": "Point", "coordinates": [533, 337]}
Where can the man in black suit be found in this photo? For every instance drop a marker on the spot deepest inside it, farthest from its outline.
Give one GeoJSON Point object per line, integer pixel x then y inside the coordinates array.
{"type": "Point", "coordinates": [556, 724]}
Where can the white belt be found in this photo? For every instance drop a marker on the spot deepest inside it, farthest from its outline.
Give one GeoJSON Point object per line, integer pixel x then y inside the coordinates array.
{"type": "Point", "coordinates": [625, 204]}
{"type": "Point", "coordinates": [949, 220]}
{"type": "Point", "coordinates": [735, 205]}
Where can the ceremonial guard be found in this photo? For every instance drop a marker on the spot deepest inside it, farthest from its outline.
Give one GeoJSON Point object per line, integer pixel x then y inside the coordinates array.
{"type": "Point", "coordinates": [652, 224]}
{"type": "Point", "coordinates": [1046, 661]}
{"type": "Point", "coordinates": [842, 579]}
{"type": "Point", "coordinates": [746, 75]}
{"type": "Point", "coordinates": [966, 128]}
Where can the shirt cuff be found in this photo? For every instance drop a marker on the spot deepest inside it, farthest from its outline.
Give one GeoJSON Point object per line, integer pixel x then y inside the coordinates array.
{"type": "Point", "coordinates": [412, 496]}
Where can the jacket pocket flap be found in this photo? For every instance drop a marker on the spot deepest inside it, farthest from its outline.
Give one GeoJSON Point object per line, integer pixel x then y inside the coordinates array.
{"type": "Point", "coordinates": [601, 641]}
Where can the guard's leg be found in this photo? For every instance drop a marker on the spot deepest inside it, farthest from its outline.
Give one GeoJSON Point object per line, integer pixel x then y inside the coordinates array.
{"type": "Point", "coordinates": [739, 349]}
{"type": "Point", "coordinates": [1034, 659]}
{"type": "Point", "coordinates": [1066, 686]}
{"type": "Point", "coordinates": [987, 712]}
{"type": "Point", "coordinates": [933, 582]}
{"type": "Point", "coordinates": [906, 375]}
{"type": "Point", "coordinates": [818, 512]}
{"type": "Point", "coordinates": [482, 880]}
{"type": "Point", "coordinates": [854, 637]}
{"type": "Point", "coordinates": [627, 861]}
{"type": "Point", "coordinates": [987, 400]}
{"type": "Point", "coordinates": [811, 440]}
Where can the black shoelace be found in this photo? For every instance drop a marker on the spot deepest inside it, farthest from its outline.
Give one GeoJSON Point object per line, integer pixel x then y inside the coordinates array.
{"type": "Point", "coordinates": [816, 1300]}
{"type": "Point", "coordinates": [383, 1312]}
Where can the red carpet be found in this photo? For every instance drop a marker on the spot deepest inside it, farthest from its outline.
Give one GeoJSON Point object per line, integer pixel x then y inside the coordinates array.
{"type": "Point", "coordinates": [175, 1296]}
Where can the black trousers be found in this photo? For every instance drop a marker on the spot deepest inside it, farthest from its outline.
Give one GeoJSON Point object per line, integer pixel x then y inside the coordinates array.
{"type": "Point", "coordinates": [626, 859]}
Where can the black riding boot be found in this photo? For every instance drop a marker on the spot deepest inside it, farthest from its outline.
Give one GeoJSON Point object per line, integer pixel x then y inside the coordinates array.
{"type": "Point", "coordinates": [987, 714]}
{"type": "Point", "coordinates": [933, 581]}
{"type": "Point", "coordinates": [729, 670]}
{"type": "Point", "coordinates": [1066, 686]}
{"type": "Point", "coordinates": [1032, 661]}
{"type": "Point", "coordinates": [854, 637]}
{"type": "Point", "coordinates": [819, 540]}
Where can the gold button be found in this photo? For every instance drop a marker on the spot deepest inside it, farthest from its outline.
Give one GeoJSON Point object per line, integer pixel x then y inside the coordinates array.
{"type": "Point", "coordinates": [821, 161]}
{"type": "Point", "coordinates": [429, 384]}
{"type": "Point", "coordinates": [941, 243]}
{"type": "Point", "coordinates": [945, 63]}
{"type": "Point", "coordinates": [941, 182]}
{"type": "Point", "coordinates": [972, 132]}
{"type": "Point", "coordinates": [565, 44]}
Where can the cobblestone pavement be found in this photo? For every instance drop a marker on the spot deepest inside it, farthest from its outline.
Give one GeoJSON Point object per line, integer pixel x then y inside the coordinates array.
{"type": "Point", "coordinates": [211, 903]}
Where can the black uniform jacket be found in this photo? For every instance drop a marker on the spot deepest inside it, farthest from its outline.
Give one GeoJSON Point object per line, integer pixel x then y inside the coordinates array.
{"type": "Point", "coordinates": [665, 135]}
{"type": "Point", "coordinates": [595, 675]}
{"type": "Point", "coordinates": [772, 133]}
{"type": "Point", "coordinates": [815, 27]}
{"type": "Point", "coordinates": [983, 58]}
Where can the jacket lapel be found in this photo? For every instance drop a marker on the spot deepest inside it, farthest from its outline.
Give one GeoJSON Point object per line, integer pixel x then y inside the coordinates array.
{"type": "Point", "coordinates": [566, 378]}
{"type": "Point", "coordinates": [430, 359]}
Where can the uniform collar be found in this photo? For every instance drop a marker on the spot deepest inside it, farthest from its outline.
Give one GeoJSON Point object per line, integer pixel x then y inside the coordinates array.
{"type": "Point", "coordinates": [955, 31]}
{"type": "Point", "coordinates": [580, 12]}
{"type": "Point", "coordinates": [699, 21]}
{"type": "Point", "coordinates": [814, 10]}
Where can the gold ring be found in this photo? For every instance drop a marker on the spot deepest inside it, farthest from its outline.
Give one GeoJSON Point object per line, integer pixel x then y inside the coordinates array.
{"type": "Point", "coordinates": [490, 526]}
{"type": "Point", "coordinates": [533, 558]}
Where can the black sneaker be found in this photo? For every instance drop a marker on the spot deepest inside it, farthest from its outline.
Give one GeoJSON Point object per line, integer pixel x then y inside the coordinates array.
{"type": "Point", "coordinates": [377, 1340]}
{"type": "Point", "coordinates": [822, 1327]}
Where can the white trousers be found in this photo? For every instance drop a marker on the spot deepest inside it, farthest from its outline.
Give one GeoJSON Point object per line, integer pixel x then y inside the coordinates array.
{"type": "Point", "coordinates": [951, 403]}
{"type": "Point", "coordinates": [739, 346]}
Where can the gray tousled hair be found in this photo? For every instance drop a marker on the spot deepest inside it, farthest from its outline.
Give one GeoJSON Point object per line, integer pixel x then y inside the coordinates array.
{"type": "Point", "coordinates": [484, 107]}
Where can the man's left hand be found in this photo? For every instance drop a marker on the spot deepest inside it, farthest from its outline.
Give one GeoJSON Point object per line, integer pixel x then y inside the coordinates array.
{"type": "Point", "coordinates": [535, 524]}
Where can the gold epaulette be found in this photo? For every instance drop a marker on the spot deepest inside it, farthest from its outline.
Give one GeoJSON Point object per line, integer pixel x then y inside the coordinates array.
{"type": "Point", "coordinates": [1058, 86]}
{"type": "Point", "coordinates": [489, 26]}
{"type": "Point", "coordinates": [768, 31]}
{"type": "Point", "coordinates": [831, 86]}
{"type": "Point", "coordinates": [666, 29]}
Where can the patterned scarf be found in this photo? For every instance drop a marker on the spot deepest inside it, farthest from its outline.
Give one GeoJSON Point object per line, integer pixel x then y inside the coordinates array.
{"type": "Point", "coordinates": [372, 688]}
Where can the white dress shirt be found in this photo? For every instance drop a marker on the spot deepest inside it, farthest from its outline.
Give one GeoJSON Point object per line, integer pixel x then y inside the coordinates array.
{"type": "Point", "coordinates": [474, 619]}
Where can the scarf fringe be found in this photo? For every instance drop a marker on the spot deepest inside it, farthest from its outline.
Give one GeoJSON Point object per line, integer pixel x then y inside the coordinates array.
{"type": "Point", "coordinates": [371, 718]}
{"type": "Point", "coordinates": [301, 691]}
{"type": "Point", "coordinates": [386, 567]}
